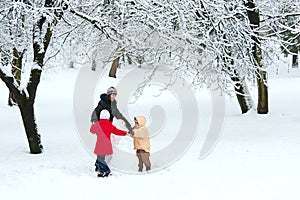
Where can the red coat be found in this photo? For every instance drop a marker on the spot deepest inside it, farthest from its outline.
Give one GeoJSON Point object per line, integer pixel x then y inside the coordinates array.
{"type": "Point", "coordinates": [104, 129]}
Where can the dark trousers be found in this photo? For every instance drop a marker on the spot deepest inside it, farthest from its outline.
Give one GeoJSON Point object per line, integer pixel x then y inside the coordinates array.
{"type": "Point", "coordinates": [144, 159]}
{"type": "Point", "coordinates": [103, 167]}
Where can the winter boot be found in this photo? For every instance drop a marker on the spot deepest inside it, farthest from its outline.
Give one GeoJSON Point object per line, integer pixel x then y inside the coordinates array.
{"type": "Point", "coordinates": [101, 174]}
{"type": "Point", "coordinates": [106, 174]}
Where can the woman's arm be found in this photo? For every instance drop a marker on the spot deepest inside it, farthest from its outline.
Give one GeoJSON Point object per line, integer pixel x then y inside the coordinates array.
{"type": "Point", "coordinates": [117, 114]}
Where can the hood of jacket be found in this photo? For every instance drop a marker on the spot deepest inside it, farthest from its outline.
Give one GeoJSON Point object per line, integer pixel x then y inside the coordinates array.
{"type": "Point", "coordinates": [141, 120]}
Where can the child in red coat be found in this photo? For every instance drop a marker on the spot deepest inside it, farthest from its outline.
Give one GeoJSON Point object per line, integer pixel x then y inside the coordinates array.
{"type": "Point", "coordinates": [104, 128]}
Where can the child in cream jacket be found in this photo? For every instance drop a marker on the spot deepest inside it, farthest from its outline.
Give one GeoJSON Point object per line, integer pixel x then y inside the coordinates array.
{"type": "Point", "coordinates": [141, 143]}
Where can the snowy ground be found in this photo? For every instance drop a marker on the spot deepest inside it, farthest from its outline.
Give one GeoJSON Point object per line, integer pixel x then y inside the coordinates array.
{"type": "Point", "coordinates": [257, 157]}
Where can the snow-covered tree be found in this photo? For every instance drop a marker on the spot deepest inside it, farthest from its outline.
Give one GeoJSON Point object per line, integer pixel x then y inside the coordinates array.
{"type": "Point", "coordinates": [33, 33]}
{"type": "Point", "coordinates": [26, 31]}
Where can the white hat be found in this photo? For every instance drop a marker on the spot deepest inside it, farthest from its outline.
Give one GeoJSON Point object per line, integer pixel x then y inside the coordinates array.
{"type": "Point", "coordinates": [104, 114]}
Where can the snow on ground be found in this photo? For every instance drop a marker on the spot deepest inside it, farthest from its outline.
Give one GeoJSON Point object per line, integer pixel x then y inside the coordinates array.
{"type": "Point", "coordinates": [257, 157]}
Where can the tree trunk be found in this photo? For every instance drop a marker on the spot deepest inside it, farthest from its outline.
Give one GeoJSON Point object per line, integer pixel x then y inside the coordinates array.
{"type": "Point", "coordinates": [295, 61]}
{"type": "Point", "coordinates": [34, 139]}
{"type": "Point", "coordinates": [115, 64]}
{"type": "Point", "coordinates": [242, 94]}
{"type": "Point", "coordinates": [114, 67]}
{"type": "Point", "coordinates": [262, 105]}
{"type": "Point", "coordinates": [25, 104]}
{"type": "Point", "coordinates": [94, 65]}
{"type": "Point", "coordinates": [71, 65]}
{"type": "Point", "coordinates": [240, 85]}
{"type": "Point", "coordinates": [261, 78]}
{"type": "Point", "coordinates": [129, 60]}
{"type": "Point", "coordinates": [261, 74]}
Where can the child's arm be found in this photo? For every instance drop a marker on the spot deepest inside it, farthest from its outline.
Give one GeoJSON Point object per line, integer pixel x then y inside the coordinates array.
{"type": "Point", "coordinates": [118, 131]}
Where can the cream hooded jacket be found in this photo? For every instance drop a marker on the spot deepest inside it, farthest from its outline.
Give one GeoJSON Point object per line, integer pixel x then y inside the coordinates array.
{"type": "Point", "coordinates": [141, 135]}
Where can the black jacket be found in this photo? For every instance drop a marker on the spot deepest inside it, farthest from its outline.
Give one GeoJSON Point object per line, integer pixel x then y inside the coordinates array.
{"type": "Point", "coordinates": [111, 106]}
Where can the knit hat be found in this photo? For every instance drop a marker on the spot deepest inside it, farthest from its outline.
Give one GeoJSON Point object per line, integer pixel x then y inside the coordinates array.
{"type": "Point", "coordinates": [104, 114]}
{"type": "Point", "coordinates": [112, 90]}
